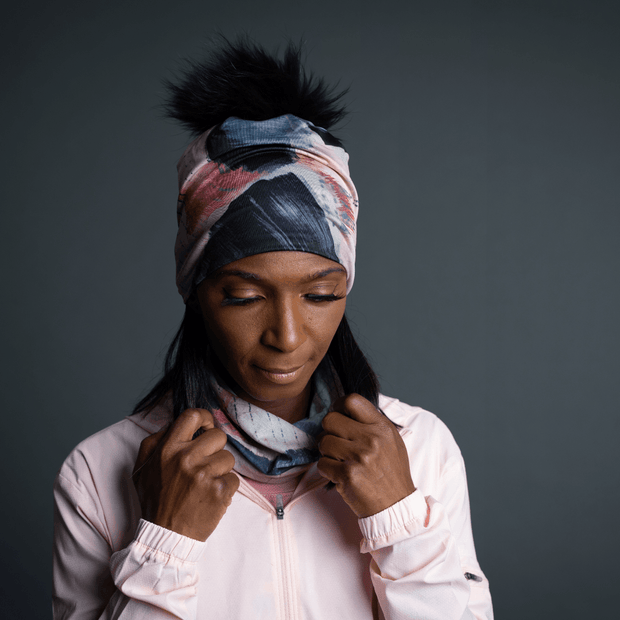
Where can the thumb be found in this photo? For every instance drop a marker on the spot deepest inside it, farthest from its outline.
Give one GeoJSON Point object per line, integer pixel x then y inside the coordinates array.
{"type": "Point", "coordinates": [148, 446]}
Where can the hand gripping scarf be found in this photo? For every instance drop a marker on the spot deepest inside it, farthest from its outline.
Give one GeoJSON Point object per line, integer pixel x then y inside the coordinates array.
{"type": "Point", "coordinates": [249, 187]}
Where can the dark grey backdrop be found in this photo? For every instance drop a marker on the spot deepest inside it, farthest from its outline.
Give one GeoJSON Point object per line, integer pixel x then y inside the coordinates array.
{"type": "Point", "coordinates": [484, 143]}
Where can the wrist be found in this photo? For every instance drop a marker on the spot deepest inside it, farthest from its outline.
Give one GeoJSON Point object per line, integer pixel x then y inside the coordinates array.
{"type": "Point", "coordinates": [168, 542]}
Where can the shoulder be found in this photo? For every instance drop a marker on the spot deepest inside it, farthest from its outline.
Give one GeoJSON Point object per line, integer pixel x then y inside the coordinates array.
{"type": "Point", "coordinates": [98, 456]}
{"type": "Point", "coordinates": [422, 431]}
{"type": "Point", "coordinates": [112, 450]}
{"type": "Point", "coordinates": [94, 487]}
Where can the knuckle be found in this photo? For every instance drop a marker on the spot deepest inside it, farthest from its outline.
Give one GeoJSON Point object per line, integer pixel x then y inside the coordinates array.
{"type": "Point", "coordinates": [219, 487]}
{"type": "Point", "coordinates": [229, 461]}
{"type": "Point", "coordinates": [364, 459]}
{"type": "Point", "coordinates": [374, 444]}
{"type": "Point", "coordinates": [204, 416]}
{"type": "Point", "coordinates": [169, 446]}
{"type": "Point", "coordinates": [217, 434]}
{"type": "Point", "coordinates": [356, 474]}
{"type": "Point", "coordinates": [186, 461]}
{"type": "Point", "coordinates": [353, 400]}
{"type": "Point", "coordinates": [191, 415]}
{"type": "Point", "coordinates": [208, 470]}
{"type": "Point", "coordinates": [350, 398]}
{"type": "Point", "coordinates": [166, 452]}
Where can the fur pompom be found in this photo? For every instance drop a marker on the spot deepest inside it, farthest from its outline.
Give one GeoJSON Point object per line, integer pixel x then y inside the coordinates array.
{"type": "Point", "coordinates": [242, 79]}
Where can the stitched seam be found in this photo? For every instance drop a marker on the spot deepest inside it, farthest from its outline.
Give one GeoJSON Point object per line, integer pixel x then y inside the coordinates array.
{"type": "Point", "coordinates": [391, 532]}
{"type": "Point", "coordinates": [160, 552]}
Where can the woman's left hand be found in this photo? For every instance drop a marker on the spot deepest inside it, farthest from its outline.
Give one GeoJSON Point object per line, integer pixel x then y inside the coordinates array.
{"type": "Point", "coordinates": [364, 456]}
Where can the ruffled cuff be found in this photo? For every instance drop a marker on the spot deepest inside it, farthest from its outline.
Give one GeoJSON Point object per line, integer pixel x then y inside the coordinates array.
{"type": "Point", "coordinates": [394, 524]}
{"type": "Point", "coordinates": [168, 543]}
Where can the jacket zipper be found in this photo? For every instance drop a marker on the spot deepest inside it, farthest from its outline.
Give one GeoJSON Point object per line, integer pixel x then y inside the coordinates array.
{"type": "Point", "coordinates": [289, 606]}
{"type": "Point", "coordinates": [279, 507]}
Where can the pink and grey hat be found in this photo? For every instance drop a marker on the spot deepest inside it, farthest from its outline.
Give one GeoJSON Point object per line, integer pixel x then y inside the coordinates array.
{"type": "Point", "coordinates": [248, 187]}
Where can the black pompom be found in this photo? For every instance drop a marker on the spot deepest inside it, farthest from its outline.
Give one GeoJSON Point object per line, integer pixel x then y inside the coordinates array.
{"type": "Point", "coordinates": [242, 79]}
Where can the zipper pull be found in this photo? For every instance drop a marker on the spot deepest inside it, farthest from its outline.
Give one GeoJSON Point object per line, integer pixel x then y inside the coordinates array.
{"type": "Point", "coordinates": [279, 507]}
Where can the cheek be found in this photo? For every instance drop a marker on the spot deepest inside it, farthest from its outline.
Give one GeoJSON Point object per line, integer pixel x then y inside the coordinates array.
{"type": "Point", "coordinates": [323, 326]}
{"type": "Point", "coordinates": [230, 342]}
{"type": "Point", "coordinates": [235, 337]}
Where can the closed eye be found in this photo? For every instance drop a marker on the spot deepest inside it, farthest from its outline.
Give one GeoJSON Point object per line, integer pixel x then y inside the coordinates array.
{"type": "Point", "coordinates": [230, 300]}
{"type": "Point", "coordinates": [319, 298]}
{"type": "Point", "coordinates": [238, 301]}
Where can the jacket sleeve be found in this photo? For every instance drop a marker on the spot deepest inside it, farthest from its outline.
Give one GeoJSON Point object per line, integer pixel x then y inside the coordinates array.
{"type": "Point", "coordinates": [423, 560]}
{"type": "Point", "coordinates": [154, 577]}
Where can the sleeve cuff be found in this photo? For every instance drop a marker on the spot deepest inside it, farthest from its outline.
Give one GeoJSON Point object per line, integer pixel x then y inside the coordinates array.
{"type": "Point", "coordinates": [167, 542]}
{"type": "Point", "coordinates": [394, 524]}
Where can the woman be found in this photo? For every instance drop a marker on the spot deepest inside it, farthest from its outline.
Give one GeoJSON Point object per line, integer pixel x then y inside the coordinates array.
{"type": "Point", "coordinates": [264, 476]}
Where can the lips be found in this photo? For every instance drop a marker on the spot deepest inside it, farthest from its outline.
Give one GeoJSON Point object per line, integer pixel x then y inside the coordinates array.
{"type": "Point", "coordinates": [280, 371]}
{"type": "Point", "coordinates": [281, 375]}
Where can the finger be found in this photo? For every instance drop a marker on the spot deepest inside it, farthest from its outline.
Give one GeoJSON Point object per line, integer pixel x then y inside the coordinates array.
{"type": "Point", "coordinates": [335, 448]}
{"type": "Point", "coordinates": [147, 447]}
{"type": "Point", "coordinates": [357, 408]}
{"type": "Point", "coordinates": [210, 442]}
{"type": "Point", "coordinates": [188, 423]}
{"type": "Point", "coordinates": [218, 464]}
{"type": "Point", "coordinates": [231, 482]}
{"type": "Point", "coordinates": [335, 423]}
{"type": "Point", "coordinates": [329, 468]}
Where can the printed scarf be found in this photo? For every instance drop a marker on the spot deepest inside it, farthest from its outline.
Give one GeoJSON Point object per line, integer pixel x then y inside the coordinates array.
{"type": "Point", "coordinates": [267, 447]}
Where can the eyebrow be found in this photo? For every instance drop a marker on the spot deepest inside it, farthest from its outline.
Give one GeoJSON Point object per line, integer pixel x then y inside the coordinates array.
{"type": "Point", "coordinates": [248, 275]}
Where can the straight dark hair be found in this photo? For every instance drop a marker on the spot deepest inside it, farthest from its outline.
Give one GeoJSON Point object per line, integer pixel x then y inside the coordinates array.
{"type": "Point", "coordinates": [190, 364]}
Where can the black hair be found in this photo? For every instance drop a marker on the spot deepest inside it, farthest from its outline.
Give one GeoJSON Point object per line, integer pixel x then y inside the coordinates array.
{"type": "Point", "coordinates": [242, 79]}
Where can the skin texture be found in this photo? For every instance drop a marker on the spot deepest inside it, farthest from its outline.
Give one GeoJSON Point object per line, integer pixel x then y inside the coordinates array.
{"type": "Point", "coordinates": [270, 319]}
{"type": "Point", "coordinates": [282, 318]}
{"type": "Point", "coordinates": [186, 485]}
{"type": "Point", "coordinates": [364, 456]}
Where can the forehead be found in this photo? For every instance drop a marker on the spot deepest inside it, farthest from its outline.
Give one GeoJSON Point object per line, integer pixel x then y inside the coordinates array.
{"type": "Point", "coordinates": [282, 266]}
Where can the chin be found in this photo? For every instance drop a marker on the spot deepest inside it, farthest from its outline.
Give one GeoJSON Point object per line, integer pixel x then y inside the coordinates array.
{"type": "Point", "coordinates": [267, 394]}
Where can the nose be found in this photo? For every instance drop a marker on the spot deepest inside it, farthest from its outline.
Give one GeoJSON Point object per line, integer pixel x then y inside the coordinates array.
{"type": "Point", "coordinates": [285, 329]}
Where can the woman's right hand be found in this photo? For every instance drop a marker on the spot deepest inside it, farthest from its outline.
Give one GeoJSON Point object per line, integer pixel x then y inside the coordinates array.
{"type": "Point", "coordinates": [186, 485]}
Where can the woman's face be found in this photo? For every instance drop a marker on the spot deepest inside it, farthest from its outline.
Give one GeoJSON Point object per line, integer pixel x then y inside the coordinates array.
{"type": "Point", "coordinates": [270, 319]}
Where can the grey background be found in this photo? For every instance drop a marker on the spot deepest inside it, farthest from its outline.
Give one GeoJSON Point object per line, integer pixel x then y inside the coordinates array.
{"type": "Point", "coordinates": [484, 144]}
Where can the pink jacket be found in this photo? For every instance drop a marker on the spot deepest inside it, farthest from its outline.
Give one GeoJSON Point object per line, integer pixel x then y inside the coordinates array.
{"type": "Point", "coordinates": [414, 560]}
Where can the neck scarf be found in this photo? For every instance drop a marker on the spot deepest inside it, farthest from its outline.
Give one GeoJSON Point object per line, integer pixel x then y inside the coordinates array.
{"type": "Point", "coordinates": [265, 446]}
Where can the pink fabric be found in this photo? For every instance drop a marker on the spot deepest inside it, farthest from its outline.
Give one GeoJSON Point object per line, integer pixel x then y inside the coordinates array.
{"type": "Point", "coordinates": [271, 490]}
{"type": "Point", "coordinates": [318, 562]}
